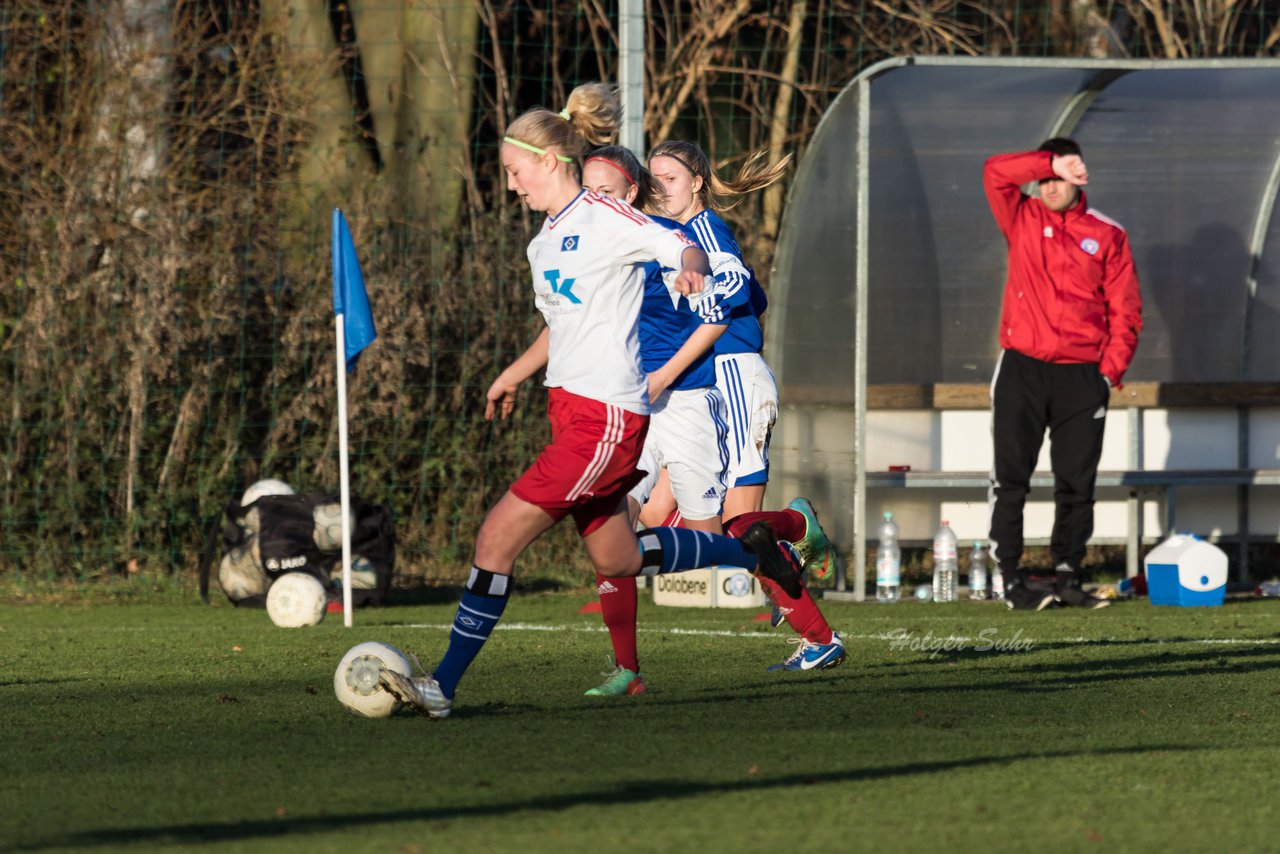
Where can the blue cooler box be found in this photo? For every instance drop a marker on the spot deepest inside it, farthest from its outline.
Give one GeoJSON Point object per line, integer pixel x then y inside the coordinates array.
{"type": "Point", "coordinates": [1185, 570]}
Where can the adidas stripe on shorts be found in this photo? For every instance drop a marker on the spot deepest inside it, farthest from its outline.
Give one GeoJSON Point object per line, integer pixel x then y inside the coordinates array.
{"type": "Point", "coordinates": [751, 395]}
{"type": "Point", "coordinates": [589, 465]}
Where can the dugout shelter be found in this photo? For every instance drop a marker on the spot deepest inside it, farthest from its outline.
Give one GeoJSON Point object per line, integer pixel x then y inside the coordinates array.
{"type": "Point", "coordinates": [886, 289]}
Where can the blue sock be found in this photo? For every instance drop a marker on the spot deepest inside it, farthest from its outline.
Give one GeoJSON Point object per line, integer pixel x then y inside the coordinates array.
{"type": "Point", "coordinates": [677, 549]}
{"type": "Point", "coordinates": [479, 611]}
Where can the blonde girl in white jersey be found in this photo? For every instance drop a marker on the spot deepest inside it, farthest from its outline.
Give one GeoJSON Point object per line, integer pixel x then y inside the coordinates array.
{"type": "Point", "coordinates": [588, 283]}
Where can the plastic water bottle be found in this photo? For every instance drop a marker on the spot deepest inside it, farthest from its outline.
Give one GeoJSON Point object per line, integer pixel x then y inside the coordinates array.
{"type": "Point", "coordinates": [888, 562]}
{"type": "Point", "coordinates": [978, 572]}
{"type": "Point", "coordinates": [997, 583]}
{"type": "Point", "coordinates": [944, 564]}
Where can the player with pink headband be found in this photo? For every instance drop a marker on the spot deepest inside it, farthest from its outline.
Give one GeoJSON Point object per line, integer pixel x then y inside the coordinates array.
{"type": "Point", "coordinates": [588, 284]}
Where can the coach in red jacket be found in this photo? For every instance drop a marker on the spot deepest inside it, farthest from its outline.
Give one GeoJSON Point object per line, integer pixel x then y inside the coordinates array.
{"type": "Point", "coordinates": [1068, 330]}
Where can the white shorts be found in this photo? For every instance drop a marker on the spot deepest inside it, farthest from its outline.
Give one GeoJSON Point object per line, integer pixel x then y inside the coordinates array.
{"type": "Point", "coordinates": [687, 435]}
{"type": "Point", "coordinates": [752, 397]}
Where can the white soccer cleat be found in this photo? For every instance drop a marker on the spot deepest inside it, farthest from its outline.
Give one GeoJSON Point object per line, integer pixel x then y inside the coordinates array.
{"type": "Point", "coordinates": [421, 693]}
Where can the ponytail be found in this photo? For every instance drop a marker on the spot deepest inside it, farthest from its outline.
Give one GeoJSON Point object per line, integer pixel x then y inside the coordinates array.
{"type": "Point", "coordinates": [717, 194]}
{"type": "Point", "coordinates": [591, 117]}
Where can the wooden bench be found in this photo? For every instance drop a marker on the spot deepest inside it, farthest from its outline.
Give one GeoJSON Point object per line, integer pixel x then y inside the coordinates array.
{"type": "Point", "coordinates": [1143, 484]}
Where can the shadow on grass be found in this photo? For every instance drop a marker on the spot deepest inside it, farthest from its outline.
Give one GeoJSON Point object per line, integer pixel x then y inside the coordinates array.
{"type": "Point", "coordinates": [638, 792]}
{"type": "Point", "coordinates": [1053, 675]}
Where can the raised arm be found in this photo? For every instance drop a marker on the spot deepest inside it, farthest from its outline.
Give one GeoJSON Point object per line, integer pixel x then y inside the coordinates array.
{"type": "Point", "coordinates": [694, 267]}
{"type": "Point", "coordinates": [1002, 178]}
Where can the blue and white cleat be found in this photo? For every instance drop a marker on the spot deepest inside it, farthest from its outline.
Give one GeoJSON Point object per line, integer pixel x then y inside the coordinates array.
{"type": "Point", "coordinates": [814, 656]}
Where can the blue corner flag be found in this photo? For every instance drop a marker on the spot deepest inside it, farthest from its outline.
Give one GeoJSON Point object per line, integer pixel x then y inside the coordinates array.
{"type": "Point", "coordinates": [349, 296]}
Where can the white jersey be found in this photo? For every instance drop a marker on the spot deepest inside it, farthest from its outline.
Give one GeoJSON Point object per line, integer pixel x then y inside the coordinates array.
{"type": "Point", "coordinates": [588, 280]}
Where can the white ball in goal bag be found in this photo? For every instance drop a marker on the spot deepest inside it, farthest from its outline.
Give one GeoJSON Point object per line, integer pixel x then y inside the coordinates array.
{"type": "Point", "coordinates": [355, 682]}
{"type": "Point", "coordinates": [270, 486]}
{"type": "Point", "coordinates": [296, 599]}
{"type": "Point", "coordinates": [240, 573]}
{"type": "Point", "coordinates": [328, 530]}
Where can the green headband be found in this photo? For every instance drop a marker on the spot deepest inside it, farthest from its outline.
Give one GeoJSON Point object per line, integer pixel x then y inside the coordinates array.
{"type": "Point", "coordinates": [539, 151]}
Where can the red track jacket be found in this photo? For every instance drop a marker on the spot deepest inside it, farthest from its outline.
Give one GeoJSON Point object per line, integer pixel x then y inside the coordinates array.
{"type": "Point", "coordinates": [1072, 293]}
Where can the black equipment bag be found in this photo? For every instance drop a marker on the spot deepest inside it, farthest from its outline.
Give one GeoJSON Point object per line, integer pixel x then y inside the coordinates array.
{"type": "Point", "coordinates": [278, 534]}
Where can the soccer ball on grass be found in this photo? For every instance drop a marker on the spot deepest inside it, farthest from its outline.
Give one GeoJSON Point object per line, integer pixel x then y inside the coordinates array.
{"type": "Point", "coordinates": [296, 599]}
{"type": "Point", "coordinates": [355, 682]}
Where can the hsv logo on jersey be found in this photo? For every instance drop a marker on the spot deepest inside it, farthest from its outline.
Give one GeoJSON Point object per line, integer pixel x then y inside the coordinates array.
{"type": "Point", "coordinates": [570, 243]}
{"type": "Point", "coordinates": [563, 287]}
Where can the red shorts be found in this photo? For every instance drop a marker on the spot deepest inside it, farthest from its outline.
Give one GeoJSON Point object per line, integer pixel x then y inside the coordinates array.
{"type": "Point", "coordinates": [590, 464]}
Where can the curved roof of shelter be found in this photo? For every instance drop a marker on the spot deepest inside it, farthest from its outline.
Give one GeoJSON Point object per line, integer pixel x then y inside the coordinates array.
{"type": "Point", "coordinates": [1184, 154]}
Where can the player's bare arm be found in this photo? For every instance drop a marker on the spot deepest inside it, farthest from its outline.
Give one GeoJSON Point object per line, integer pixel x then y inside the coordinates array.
{"type": "Point", "coordinates": [702, 340]}
{"type": "Point", "coordinates": [501, 397]}
{"type": "Point", "coordinates": [695, 268]}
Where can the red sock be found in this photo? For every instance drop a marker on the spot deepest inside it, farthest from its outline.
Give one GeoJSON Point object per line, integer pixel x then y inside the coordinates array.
{"type": "Point", "coordinates": [673, 520]}
{"type": "Point", "coordinates": [618, 608]}
{"type": "Point", "coordinates": [786, 525]}
{"type": "Point", "coordinates": [801, 613]}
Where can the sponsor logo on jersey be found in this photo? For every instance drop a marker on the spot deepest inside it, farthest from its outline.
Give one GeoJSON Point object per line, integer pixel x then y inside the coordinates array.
{"type": "Point", "coordinates": [711, 493]}
{"type": "Point", "coordinates": [563, 287]}
{"type": "Point", "coordinates": [570, 243]}
{"type": "Point", "coordinates": [1089, 245]}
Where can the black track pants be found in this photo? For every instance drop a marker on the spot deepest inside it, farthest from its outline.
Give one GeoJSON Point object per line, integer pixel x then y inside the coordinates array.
{"type": "Point", "coordinates": [1028, 396]}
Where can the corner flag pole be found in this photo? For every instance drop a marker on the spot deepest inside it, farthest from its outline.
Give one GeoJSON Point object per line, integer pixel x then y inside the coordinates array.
{"type": "Point", "coordinates": [344, 468]}
{"type": "Point", "coordinates": [354, 330]}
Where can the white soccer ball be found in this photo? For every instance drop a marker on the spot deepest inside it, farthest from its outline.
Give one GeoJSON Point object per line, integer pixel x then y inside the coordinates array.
{"type": "Point", "coordinates": [270, 486]}
{"type": "Point", "coordinates": [328, 530]}
{"type": "Point", "coordinates": [355, 682]}
{"type": "Point", "coordinates": [364, 576]}
{"type": "Point", "coordinates": [296, 599]}
{"type": "Point", "coordinates": [240, 573]}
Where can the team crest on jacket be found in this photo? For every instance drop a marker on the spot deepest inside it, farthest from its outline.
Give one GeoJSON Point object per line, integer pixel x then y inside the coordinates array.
{"type": "Point", "coordinates": [570, 243]}
{"type": "Point", "coordinates": [1089, 245]}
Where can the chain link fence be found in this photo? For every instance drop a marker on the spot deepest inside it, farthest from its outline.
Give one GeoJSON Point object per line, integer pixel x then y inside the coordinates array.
{"type": "Point", "coordinates": [168, 171]}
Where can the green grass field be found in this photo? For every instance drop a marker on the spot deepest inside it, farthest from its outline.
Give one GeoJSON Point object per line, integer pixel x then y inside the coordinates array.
{"type": "Point", "coordinates": [169, 727]}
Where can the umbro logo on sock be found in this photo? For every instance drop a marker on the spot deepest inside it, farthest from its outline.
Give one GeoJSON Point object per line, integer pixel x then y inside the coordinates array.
{"type": "Point", "coordinates": [606, 587]}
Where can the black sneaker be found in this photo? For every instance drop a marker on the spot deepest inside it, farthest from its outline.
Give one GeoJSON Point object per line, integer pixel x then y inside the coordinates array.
{"type": "Point", "coordinates": [1021, 596]}
{"type": "Point", "coordinates": [775, 560]}
{"type": "Point", "coordinates": [1070, 592]}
